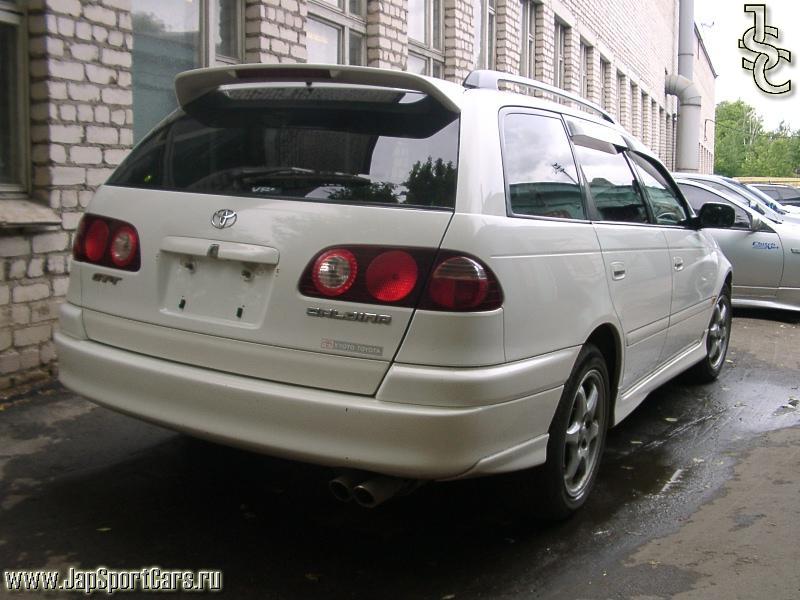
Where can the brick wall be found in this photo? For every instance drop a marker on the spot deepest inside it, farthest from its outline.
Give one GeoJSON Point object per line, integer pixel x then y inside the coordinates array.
{"type": "Point", "coordinates": [459, 39]}
{"type": "Point", "coordinates": [509, 35]}
{"type": "Point", "coordinates": [387, 37]}
{"type": "Point", "coordinates": [704, 79]}
{"type": "Point", "coordinates": [80, 125]}
{"type": "Point", "coordinates": [275, 31]}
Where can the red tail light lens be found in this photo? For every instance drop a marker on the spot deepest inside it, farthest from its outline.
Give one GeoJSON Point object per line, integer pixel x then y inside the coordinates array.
{"type": "Point", "coordinates": [409, 277]}
{"type": "Point", "coordinates": [334, 272]}
{"type": "Point", "coordinates": [458, 283]}
{"type": "Point", "coordinates": [123, 246]}
{"type": "Point", "coordinates": [96, 240]}
{"type": "Point", "coordinates": [391, 276]}
{"type": "Point", "coordinates": [107, 242]}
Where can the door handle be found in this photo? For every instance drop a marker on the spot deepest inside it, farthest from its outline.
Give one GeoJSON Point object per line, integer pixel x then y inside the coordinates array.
{"type": "Point", "coordinates": [617, 271]}
{"type": "Point", "coordinates": [678, 263]}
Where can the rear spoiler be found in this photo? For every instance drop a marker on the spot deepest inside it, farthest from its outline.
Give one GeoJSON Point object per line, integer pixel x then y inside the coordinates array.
{"type": "Point", "coordinates": [191, 85]}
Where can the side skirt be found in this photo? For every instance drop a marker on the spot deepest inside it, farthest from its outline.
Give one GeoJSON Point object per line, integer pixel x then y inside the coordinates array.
{"type": "Point", "coordinates": [631, 398]}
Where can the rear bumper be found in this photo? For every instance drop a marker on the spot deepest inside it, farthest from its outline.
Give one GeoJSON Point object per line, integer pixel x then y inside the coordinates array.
{"type": "Point", "coordinates": [318, 426]}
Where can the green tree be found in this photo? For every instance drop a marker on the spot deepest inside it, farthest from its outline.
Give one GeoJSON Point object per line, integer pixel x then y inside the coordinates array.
{"type": "Point", "coordinates": [738, 129]}
{"type": "Point", "coordinates": [775, 153]}
{"type": "Point", "coordinates": [431, 183]}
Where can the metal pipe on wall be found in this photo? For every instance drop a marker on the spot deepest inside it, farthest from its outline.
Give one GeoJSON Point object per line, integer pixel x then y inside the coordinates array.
{"type": "Point", "coordinates": [688, 134]}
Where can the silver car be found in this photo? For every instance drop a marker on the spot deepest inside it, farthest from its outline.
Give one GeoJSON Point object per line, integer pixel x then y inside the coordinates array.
{"type": "Point", "coordinates": [756, 200]}
{"type": "Point", "coordinates": [764, 251]}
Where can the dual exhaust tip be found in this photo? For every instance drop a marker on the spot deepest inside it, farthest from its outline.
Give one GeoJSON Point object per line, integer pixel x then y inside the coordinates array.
{"type": "Point", "coordinates": [367, 490]}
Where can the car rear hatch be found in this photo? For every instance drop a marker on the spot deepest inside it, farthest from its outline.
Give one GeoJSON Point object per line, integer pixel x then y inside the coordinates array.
{"type": "Point", "coordinates": [235, 197]}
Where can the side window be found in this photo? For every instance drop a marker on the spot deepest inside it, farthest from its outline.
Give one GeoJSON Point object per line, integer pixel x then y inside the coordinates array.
{"type": "Point", "coordinates": [697, 197]}
{"type": "Point", "coordinates": [667, 207]}
{"type": "Point", "coordinates": [540, 170]}
{"type": "Point", "coordinates": [612, 184]}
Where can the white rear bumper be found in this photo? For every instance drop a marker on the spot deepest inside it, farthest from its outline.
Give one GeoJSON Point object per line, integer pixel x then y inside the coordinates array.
{"type": "Point", "coordinates": [324, 427]}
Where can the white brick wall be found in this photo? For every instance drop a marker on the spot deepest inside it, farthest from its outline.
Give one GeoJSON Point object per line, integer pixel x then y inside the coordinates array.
{"type": "Point", "coordinates": [387, 36]}
{"type": "Point", "coordinates": [81, 117]}
{"type": "Point", "coordinates": [275, 31]}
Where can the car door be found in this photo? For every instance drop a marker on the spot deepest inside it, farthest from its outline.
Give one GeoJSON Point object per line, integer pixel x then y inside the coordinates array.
{"type": "Point", "coordinates": [756, 256]}
{"type": "Point", "coordinates": [693, 259]}
{"type": "Point", "coordinates": [634, 252]}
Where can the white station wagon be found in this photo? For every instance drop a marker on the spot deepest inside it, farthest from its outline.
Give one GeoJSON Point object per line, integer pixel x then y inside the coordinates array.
{"type": "Point", "coordinates": [399, 277]}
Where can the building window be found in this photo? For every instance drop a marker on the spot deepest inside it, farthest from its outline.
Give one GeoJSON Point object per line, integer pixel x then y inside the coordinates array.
{"type": "Point", "coordinates": [13, 100]}
{"type": "Point", "coordinates": [559, 78]}
{"type": "Point", "coordinates": [486, 33]}
{"type": "Point", "coordinates": [171, 36]}
{"type": "Point", "coordinates": [228, 32]}
{"type": "Point", "coordinates": [528, 62]}
{"type": "Point", "coordinates": [621, 92]}
{"type": "Point", "coordinates": [336, 32]}
{"type": "Point", "coordinates": [605, 82]}
{"type": "Point", "coordinates": [586, 67]}
{"type": "Point", "coordinates": [643, 121]}
{"type": "Point", "coordinates": [425, 37]}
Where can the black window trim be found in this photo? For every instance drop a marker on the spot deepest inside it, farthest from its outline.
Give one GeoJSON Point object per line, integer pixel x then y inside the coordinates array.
{"type": "Point", "coordinates": [524, 110]}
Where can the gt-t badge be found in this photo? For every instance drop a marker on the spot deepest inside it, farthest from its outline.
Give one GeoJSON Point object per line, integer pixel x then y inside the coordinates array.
{"type": "Point", "coordinates": [362, 317]}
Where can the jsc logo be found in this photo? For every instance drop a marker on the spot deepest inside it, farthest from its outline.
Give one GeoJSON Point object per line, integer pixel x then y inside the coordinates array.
{"type": "Point", "coordinates": [765, 56]}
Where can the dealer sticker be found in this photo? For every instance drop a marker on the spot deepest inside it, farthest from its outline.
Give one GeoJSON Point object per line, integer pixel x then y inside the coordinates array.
{"type": "Point", "coordinates": [351, 347]}
{"type": "Point", "coordinates": [765, 246]}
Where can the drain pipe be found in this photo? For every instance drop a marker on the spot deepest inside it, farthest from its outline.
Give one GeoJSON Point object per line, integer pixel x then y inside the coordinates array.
{"type": "Point", "coordinates": [688, 135]}
{"type": "Point", "coordinates": [687, 157]}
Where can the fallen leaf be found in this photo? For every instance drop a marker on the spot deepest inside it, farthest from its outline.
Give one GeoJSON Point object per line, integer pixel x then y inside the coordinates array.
{"type": "Point", "coordinates": [448, 597]}
{"type": "Point", "coordinates": [104, 529]}
{"type": "Point", "coordinates": [313, 576]}
{"type": "Point", "coordinates": [671, 420]}
{"type": "Point", "coordinates": [636, 442]}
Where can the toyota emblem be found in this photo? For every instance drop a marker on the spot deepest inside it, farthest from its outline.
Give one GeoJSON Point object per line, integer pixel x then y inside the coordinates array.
{"type": "Point", "coordinates": [223, 218]}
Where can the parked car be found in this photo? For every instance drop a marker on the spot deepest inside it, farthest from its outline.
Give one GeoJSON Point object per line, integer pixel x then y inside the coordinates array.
{"type": "Point", "coordinates": [761, 203]}
{"type": "Point", "coordinates": [771, 202]}
{"type": "Point", "coordinates": [396, 276]}
{"type": "Point", "coordinates": [785, 194]}
{"type": "Point", "coordinates": [765, 252]}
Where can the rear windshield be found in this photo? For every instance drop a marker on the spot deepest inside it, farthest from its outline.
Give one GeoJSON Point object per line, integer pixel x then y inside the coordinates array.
{"type": "Point", "coordinates": [325, 144]}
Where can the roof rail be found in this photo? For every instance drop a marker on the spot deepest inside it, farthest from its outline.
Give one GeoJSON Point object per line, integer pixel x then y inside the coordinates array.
{"type": "Point", "coordinates": [190, 85]}
{"type": "Point", "coordinates": [490, 80]}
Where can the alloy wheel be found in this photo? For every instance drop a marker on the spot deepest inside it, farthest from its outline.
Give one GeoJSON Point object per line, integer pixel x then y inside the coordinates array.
{"type": "Point", "coordinates": [582, 440]}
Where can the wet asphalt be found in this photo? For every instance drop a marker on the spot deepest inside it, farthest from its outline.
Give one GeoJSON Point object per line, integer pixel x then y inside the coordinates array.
{"type": "Point", "coordinates": [82, 486]}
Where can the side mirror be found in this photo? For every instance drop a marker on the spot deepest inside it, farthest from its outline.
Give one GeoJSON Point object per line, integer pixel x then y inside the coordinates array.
{"type": "Point", "coordinates": [716, 215]}
{"type": "Point", "coordinates": [756, 224]}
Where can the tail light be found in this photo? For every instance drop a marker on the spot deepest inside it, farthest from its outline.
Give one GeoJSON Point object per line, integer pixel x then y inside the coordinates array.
{"type": "Point", "coordinates": [124, 247]}
{"type": "Point", "coordinates": [107, 242]}
{"type": "Point", "coordinates": [334, 272]}
{"type": "Point", "coordinates": [458, 282]}
{"type": "Point", "coordinates": [410, 277]}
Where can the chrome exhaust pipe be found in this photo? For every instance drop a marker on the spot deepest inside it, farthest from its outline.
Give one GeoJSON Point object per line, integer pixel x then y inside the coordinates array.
{"type": "Point", "coordinates": [342, 486]}
{"type": "Point", "coordinates": [378, 490]}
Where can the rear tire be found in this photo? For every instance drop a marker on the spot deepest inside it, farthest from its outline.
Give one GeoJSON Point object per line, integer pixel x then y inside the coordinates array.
{"type": "Point", "coordinates": [719, 333]}
{"type": "Point", "coordinates": [577, 437]}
